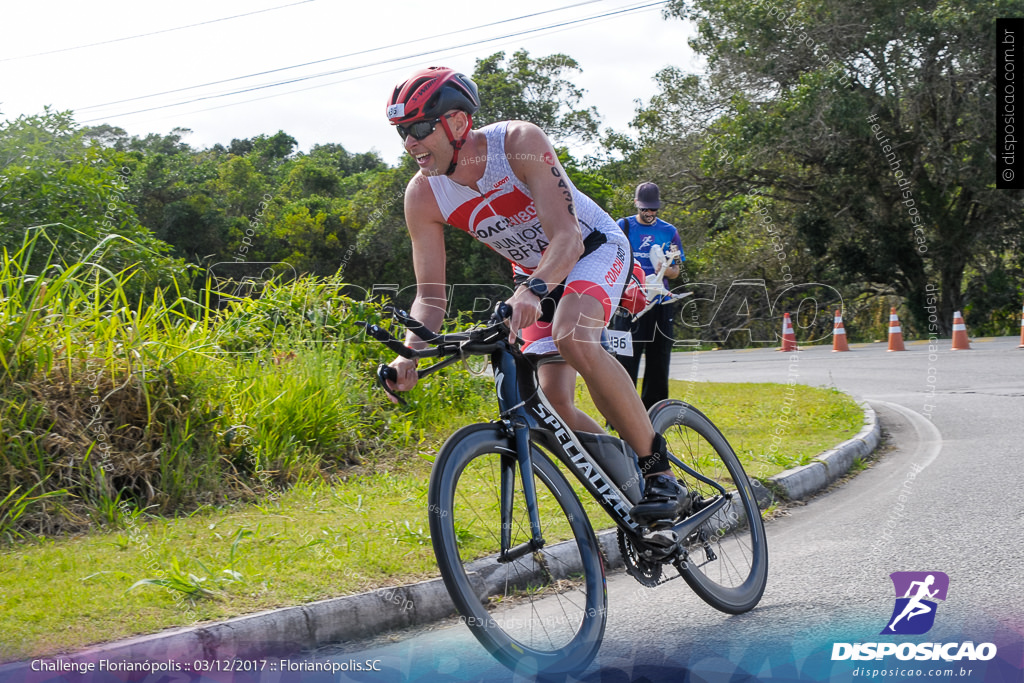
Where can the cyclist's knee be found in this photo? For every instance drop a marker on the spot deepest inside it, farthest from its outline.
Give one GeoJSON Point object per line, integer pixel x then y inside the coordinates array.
{"type": "Point", "coordinates": [579, 318]}
{"type": "Point", "coordinates": [577, 349]}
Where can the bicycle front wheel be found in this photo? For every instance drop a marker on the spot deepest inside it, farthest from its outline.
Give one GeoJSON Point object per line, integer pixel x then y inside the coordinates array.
{"type": "Point", "coordinates": [544, 612]}
{"type": "Point", "coordinates": [727, 556]}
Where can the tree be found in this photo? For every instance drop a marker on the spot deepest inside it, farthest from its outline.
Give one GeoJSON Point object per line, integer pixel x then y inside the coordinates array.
{"type": "Point", "coordinates": [175, 194]}
{"type": "Point", "coordinates": [534, 90]}
{"type": "Point", "coordinates": [55, 175]}
{"type": "Point", "coordinates": [887, 205]}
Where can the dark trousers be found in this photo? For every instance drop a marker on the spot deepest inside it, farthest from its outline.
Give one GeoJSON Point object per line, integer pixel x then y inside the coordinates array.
{"type": "Point", "coordinates": [652, 336]}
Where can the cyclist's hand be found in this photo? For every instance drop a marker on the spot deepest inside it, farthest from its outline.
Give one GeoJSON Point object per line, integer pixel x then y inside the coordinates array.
{"type": "Point", "coordinates": [407, 377]}
{"type": "Point", "coordinates": [525, 312]}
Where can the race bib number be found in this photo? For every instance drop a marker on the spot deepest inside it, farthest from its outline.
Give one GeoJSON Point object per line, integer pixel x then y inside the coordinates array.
{"type": "Point", "coordinates": [621, 342]}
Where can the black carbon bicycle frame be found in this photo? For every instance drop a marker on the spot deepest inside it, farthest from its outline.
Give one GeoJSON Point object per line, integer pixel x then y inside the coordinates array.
{"type": "Point", "coordinates": [528, 417]}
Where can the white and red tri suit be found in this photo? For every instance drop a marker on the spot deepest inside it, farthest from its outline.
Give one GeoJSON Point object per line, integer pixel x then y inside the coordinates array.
{"type": "Point", "coordinates": [500, 212]}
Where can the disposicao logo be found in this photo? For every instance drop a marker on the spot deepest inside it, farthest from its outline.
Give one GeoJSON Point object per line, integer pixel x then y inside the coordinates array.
{"type": "Point", "coordinates": [916, 593]}
{"type": "Point", "coordinates": [914, 614]}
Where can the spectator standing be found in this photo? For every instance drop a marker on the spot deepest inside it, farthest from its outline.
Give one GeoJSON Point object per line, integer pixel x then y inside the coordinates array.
{"type": "Point", "coordinates": [659, 251]}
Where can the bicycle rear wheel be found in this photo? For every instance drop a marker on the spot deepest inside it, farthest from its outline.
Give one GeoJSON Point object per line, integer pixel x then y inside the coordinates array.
{"type": "Point", "coordinates": [544, 612]}
{"type": "Point", "coordinates": [727, 563]}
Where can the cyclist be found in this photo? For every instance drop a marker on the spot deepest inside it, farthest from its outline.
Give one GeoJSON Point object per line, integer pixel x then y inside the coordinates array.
{"type": "Point", "coordinates": [504, 186]}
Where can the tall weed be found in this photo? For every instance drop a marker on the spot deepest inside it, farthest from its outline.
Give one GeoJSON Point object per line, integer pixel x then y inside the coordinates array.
{"type": "Point", "coordinates": [169, 403]}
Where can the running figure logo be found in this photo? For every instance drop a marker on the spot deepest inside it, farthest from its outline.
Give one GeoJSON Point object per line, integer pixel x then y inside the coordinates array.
{"type": "Point", "coordinates": [914, 612]}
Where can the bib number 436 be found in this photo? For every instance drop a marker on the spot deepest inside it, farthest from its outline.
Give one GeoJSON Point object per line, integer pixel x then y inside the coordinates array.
{"type": "Point", "coordinates": [621, 342]}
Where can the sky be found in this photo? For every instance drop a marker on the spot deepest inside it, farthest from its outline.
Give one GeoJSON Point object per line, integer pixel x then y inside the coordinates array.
{"type": "Point", "coordinates": [370, 46]}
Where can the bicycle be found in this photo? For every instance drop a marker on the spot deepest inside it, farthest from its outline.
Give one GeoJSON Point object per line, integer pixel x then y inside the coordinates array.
{"type": "Point", "coordinates": [519, 556]}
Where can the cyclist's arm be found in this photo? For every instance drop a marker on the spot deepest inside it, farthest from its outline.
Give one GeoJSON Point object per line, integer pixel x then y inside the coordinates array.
{"type": "Point", "coordinates": [534, 161]}
{"type": "Point", "coordinates": [426, 231]}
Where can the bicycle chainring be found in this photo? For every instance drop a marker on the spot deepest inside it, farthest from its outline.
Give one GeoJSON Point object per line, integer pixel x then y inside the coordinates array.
{"type": "Point", "coordinates": [646, 572]}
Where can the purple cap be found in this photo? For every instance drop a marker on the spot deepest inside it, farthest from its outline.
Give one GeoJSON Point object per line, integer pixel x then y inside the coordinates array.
{"type": "Point", "coordinates": [647, 196]}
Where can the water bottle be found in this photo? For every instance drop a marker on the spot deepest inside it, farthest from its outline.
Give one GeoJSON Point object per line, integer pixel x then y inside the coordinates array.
{"type": "Point", "coordinates": [617, 460]}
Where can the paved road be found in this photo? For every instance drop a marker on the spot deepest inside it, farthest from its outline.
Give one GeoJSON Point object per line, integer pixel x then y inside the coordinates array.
{"type": "Point", "coordinates": [945, 496]}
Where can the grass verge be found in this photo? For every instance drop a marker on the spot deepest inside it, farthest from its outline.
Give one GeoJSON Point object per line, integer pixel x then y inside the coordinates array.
{"type": "Point", "coordinates": [319, 539]}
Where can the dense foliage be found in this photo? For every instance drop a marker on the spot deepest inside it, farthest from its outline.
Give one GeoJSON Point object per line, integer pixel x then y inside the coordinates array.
{"type": "Point", "coordinates": [859, 136]}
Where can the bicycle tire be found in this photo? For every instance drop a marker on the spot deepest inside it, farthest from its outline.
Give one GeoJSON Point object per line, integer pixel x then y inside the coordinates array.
{"type": "Point", "coordinates": [548, 609]}
{"type": "Point", "coordinates": [733, 579]}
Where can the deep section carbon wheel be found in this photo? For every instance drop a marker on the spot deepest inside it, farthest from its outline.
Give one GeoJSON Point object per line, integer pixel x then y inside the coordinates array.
{"type": "Point", "coordinates": [726, 560]}
{"type": "Point", "coordinates": [544, 611]}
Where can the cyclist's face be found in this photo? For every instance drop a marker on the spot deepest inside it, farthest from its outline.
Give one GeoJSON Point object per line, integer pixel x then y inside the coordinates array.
{"type": "Point", "coordinates": [434, 152]}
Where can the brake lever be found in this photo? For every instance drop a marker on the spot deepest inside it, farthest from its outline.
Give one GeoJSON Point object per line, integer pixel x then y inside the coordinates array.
{"type": "Point", "coordinates": [502, 312]}
{"type": "Point", "coordinates": [385, 373]}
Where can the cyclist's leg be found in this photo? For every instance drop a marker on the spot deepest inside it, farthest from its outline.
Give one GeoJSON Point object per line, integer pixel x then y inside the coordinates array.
{"type": "Point", "coordinates": [592, 292]}
{"type": "Point", "coordinates": [558, 380]}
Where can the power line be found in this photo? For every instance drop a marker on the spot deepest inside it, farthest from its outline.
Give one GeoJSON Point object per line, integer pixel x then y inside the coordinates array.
{"type": "Point", "coordinates": [153, 33]}
{"type": "Point", "coordinates": [383, 62]}
{"type": "Point", "coordinates": [355, 78]}
{"type": "Point", "coordinates": [330, 59]}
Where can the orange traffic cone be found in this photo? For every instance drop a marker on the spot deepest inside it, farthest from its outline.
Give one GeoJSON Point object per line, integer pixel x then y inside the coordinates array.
{"type": "Point", "coordinates": [788, 336]}
{"type": "Point", "coordinates": [895, 332]}
{"type": "Point", "coordinates": [1021, 329]}
{"type": "Point", "coordinates": [960, 340]}
{"type": "Point", "coordinates": [839, 335]}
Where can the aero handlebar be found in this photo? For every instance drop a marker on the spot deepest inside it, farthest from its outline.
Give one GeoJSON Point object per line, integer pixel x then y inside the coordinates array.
{"type": "Point", "coordinates": [450, 347]}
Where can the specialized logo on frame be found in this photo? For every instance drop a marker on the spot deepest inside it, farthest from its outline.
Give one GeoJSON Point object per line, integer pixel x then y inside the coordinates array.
{"type": "Point", "coordinates": [917, 594]}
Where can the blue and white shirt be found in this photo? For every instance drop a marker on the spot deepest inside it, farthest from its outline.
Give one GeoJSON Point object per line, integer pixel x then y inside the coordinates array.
{"type": "Point", "coordinates": [641, 237]}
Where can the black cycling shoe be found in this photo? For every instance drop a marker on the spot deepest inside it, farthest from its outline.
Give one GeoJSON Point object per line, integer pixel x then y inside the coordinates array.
{"type": "Point", "coordinates": [665, 499]}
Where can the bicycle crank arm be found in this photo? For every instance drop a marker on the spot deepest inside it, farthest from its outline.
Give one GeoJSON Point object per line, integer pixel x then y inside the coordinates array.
{"type": "Point", "coordinates": [513, 554]}
{"type": "Point", "coordinates": [688, 525]}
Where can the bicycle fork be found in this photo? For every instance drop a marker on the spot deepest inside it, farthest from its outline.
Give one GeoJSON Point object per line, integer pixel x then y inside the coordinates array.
{"type": "Point", "coordinates": [518, 431]}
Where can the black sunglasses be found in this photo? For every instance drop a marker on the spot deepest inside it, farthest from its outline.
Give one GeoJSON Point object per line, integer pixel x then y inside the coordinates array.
{"type": "Point", "coordinates": [648, 211]}
{"type": "Point", "coordinates": [418, 130]}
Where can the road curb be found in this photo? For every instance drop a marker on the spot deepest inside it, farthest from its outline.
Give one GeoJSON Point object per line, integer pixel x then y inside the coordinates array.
{"type": "Point", "coordinates": [804, 481]}
{"type": "Point", "coordinates": [285, 631]}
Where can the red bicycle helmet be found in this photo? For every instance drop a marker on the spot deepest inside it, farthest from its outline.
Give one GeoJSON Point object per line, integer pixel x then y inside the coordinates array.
{"type": "Point", "coordinates": [428, 94]}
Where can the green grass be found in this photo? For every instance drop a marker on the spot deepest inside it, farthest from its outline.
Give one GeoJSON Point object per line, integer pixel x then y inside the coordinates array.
{"type": "Point", "coordinates": [318, 539]}
{"type": "Point", "coordinates": [810, 419]}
